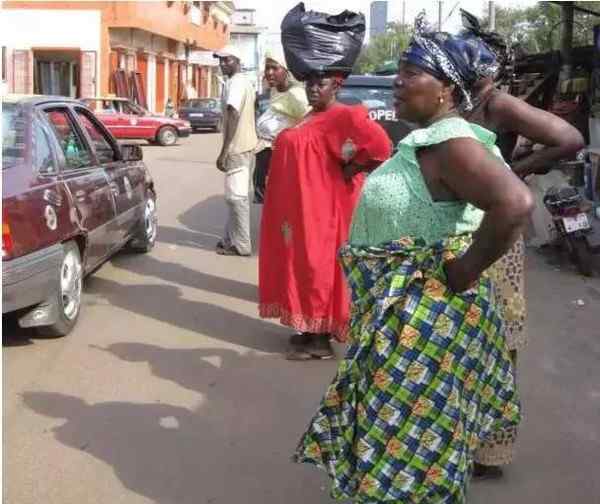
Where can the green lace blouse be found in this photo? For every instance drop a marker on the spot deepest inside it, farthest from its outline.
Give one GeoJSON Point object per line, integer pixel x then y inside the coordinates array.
{"type": "Point", "coordinates": [396, 201]}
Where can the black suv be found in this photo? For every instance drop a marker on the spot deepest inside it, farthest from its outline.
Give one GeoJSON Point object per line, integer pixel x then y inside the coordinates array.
{"type": "Point", "coordinates": [376, 93]}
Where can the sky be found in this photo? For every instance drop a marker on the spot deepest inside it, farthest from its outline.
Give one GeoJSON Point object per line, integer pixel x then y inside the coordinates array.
{"type": "Point", "coordinates": [269, 13]}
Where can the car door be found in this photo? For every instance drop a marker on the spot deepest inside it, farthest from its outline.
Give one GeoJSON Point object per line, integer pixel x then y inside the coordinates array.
{"type": "Point", "coordinates": [35, 205]}
{"type": "Point", "coordinates": [126, 180]}
{"type": "Point", "coordinates": [140, 125]}
{"type": "Point", "coordinates": [94, 206]}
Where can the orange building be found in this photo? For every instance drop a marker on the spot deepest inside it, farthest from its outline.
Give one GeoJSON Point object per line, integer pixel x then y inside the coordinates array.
{"type": "Point", "coordinates": [138, 49]}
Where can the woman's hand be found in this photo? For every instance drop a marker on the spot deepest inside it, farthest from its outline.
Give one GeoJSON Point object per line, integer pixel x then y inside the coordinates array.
{"type": "Point", "coordinates": [460, 276]}
{"type": "Point", "coordinates": [351, 169]}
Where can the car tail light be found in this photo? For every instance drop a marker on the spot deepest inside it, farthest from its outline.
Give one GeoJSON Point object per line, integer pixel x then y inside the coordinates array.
{"type": "Point", "coordinates": [7, 243]}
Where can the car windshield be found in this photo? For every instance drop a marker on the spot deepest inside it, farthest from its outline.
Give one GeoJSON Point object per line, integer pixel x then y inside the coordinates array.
{"type": "Point", "coordinates": [13, 135]}
{"type": "Point", "coordinates": [133, 108]}
{"type": "Point", "coordinates": [203, 104]}
{"type": "Point", "coordinates": [372, 98]}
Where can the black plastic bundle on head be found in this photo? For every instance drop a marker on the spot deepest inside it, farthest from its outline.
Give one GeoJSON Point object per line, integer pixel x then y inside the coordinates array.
{"type": "Point", "coordinates": [319, 43]}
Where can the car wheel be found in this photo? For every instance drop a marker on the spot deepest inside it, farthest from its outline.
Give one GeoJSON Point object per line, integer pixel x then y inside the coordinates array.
{"type": "Point", "coordinates": [167, 136]}
{"type": "Point", "coordinates": [145, 236]}
{"type": "Point", "coordinates": [68, 293]}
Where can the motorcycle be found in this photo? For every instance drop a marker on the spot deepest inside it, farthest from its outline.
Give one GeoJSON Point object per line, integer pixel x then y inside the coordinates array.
{"type": "Point", "coordinates": [573, 225]}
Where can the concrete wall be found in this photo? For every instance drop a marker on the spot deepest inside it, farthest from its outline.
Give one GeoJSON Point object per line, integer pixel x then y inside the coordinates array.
{"type": "Point", "coordinates": [50, 29]}
{"type": "Point", "coordinates": [26, 29]}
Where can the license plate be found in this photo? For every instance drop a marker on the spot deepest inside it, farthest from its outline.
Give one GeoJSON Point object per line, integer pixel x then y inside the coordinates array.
{"type": "Point", "coordinates": [576, 223]}
{"type": "Point", "coordinates": [196, 115]}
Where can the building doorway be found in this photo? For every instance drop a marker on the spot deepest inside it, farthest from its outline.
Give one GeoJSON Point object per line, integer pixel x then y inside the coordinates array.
{"type": "Point", "coordinates": [57, 72]}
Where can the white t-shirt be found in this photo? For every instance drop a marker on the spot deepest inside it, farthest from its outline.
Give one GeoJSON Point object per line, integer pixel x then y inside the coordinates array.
{"type": "Point", "coordinates": [239, 93]}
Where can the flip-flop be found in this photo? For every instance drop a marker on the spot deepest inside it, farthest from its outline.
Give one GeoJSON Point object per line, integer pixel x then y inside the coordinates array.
{"type": "Point", "coordinates": [302, 338]}
{"type": "Point", "coordinates": [482, 472]}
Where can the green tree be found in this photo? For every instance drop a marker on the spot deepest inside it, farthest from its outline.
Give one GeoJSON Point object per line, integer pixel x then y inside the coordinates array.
{"type": "Point", "coordinates": [383, 48]}
{"type": "Point", "coordinates": [538, 28]}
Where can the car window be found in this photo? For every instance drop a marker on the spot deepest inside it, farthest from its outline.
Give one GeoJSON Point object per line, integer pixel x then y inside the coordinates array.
{"type": "Point", "coordinates": [104, 150]}
{"type": "Point", "coordinates": [77, 153]}
{"type": "Point", "coordinates": [13, 135]}
{"type": "Point", "coordinates": [379, 101]}
{"type": "Point", "coordinates": [203, 104]}
{"type": "Point", "coordinates": [132, 108]}
{"type": "Point", "coordinates": [43, 159]}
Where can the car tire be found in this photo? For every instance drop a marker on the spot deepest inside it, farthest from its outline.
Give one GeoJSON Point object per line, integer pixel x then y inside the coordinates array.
{"type": "Point", "coordinates": [145, 235]}
{"type": "Point", "coordinates": [167, 136]}
{"type": "Point", "coordinates": [68, 293]}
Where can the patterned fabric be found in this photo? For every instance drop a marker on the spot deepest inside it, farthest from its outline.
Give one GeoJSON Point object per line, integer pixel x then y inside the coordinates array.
{"type": "Point", "coordinates": [426, 377]}
{"type": "Point", "coordinates": [493, 44]}
{"type": "Point", "coordinates": [508, 277]}
{"type": "Point", "coordinates": [459, 59]}
{"type": "Point", "coordinates": [396, 201]}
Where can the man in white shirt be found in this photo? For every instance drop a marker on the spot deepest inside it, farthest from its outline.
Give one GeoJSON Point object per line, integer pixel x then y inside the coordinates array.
{"type": "Point", "coordinates": [237, 153]}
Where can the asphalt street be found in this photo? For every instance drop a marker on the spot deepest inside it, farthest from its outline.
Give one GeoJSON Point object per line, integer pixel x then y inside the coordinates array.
{"type": "Point", "coordinates": [171, 390]}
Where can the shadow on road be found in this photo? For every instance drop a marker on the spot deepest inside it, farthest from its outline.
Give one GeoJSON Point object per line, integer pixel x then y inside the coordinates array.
{"type": "Point", "coordinates": [235, 447]}
{"type": "Point", "coordinates": [166, 304]}
{"type": "Point", "coordinates": [202, 216]}
{"type": "Point", "coordinates": [186, 238]}
{"type": "Point", "coordinates": [182, 275]}
{"type": "Point", "coordinates": [13, 335]}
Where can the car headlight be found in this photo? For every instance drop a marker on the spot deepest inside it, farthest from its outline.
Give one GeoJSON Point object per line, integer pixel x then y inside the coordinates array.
{"type": "Point", "coordinates": [187, 124]}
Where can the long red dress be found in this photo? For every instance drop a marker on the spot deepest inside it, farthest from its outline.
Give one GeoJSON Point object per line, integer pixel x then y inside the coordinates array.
{"type": "Point", "coordinates": [306, 217]}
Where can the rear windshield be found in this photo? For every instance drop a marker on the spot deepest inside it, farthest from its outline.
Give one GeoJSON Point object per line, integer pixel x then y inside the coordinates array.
{"type": "Point", "coordinates": [379, 101]}
{"type": "Point", "coordinates": [13, 135]}
{"type": "Point", "coordinates": [203, 104]}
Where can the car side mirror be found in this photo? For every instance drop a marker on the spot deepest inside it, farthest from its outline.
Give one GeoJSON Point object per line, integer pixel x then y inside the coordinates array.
{"type": "Point", "coordinates": [131, 152]}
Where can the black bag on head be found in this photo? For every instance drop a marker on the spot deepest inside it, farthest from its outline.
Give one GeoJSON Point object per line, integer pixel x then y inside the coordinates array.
{"type": "Point", "coordinates": [316, 42]}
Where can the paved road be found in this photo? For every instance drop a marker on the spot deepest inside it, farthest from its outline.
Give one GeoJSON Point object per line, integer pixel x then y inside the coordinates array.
{"type": "Point", "coordinates": [172, 391]}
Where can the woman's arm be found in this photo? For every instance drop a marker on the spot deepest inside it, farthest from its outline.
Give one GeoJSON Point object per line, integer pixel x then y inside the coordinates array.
{"type": "Point", "coordinates": [560, 138]}
{"type": "Point", "coordinates": [474, 175]}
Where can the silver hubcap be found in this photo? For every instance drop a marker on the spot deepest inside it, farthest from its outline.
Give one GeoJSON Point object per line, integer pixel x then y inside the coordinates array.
{"type": "Point", "coordinates": [70, 285]}
{"type": "Point", "coordinates": [169, 137]}
{"type": "Point", "coordinates": [150, 219]}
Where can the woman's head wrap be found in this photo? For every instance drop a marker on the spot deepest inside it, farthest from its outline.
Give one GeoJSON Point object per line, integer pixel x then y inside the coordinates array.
{"type": "Point", "coordinates": [275, 53]}
{"type": "Point", "coordinates": [491, 43]}
{"type": "Point", "coordinates": [457, 59]}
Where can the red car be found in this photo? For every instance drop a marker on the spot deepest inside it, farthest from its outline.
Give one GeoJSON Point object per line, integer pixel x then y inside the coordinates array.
{"type": "Point", "coordinates": [125, 119]}
{"type": "Point", "coordinates": [71, 198]}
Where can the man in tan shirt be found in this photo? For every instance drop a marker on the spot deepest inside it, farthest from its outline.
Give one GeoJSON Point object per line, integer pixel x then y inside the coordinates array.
{"type": "Point", "coordinates": [237, 153]}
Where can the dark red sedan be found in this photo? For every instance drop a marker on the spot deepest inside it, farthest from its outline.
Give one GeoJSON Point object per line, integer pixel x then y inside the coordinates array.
{"type": "Point", "coordinates": [71, 198]}
{"type": "Point", "coordinates": [125, 119]}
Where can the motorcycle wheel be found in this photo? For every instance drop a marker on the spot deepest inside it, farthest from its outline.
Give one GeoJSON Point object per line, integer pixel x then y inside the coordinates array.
{"type": "Point", "coordinates": [582, 257]}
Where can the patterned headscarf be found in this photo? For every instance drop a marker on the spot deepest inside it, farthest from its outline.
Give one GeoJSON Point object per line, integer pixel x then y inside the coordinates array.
{"type": "Point", "coordinates": [492, 43]}
{"type": "Point", "coordinates": [457, 59]}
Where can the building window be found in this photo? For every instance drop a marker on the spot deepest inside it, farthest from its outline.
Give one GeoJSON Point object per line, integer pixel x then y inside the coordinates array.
{"type": "Point", "coordinates": [3, 63]}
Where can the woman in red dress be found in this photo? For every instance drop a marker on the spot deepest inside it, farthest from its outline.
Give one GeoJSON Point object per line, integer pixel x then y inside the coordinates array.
{"type": "Point", "coordinates": [316, 175]}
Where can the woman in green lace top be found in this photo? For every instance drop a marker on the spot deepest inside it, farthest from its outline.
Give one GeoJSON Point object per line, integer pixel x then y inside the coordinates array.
{"type": "Point", "coordinates": [427, 376]}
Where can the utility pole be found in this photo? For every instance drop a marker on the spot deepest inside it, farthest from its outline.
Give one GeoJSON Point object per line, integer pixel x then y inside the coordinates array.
{"type": "Point", "coordinates": [492, 16]}
{"type": "Point", "coordinates": [440, 9]}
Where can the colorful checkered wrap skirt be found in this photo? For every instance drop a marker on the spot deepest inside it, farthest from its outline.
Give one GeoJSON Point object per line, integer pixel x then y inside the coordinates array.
{"type": "Point", "coordinates": [427, 376]}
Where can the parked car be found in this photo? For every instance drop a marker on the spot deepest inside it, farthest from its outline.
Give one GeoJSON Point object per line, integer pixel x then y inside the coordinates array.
{"type": "Point", "coordinates": [126, 120]}
{"type": "Point", "coordinates": [203, 113]}
{"type": "Point", "coordinates": [71, 198]}
{"type": "Point", "coordinates": [376, 93]}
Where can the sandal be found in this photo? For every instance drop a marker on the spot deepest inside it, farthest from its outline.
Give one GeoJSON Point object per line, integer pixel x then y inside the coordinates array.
{"type": "Point", "coordinates": [483, 472]}
{"type": "Point", "coordinates": [231, 251]}
{"type": "Point", "coordinates": [318, 348]}
{"type": "Point", "coordinates": [300, 339]}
